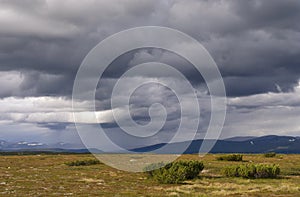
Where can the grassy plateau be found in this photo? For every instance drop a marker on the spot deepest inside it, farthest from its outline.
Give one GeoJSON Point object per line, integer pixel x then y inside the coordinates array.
{"type": "Point", "coordinates": [63, 175]}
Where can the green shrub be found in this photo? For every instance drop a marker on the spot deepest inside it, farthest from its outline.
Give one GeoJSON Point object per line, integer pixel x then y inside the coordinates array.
{"type": "Point", "coordinates": [233, 157]}
{"type": "Point", "coordinates": [271, 154]}
{"type": "Point", "coordinates": [252, 171]}
{"type": "Point", "coordinates": [230, 171]}
{"type": "Point", "coordinates": [175, 172]}
{"type": "Point", "coordinates": [267, 171]}
{"type": "Point", "coordinates": [83, 162]}
{"type": "Point", "coordinates": [247, 171]}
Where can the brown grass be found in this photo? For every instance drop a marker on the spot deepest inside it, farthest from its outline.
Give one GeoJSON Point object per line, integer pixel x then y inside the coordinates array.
{"type": "Point", "coordinates": [47, 175]}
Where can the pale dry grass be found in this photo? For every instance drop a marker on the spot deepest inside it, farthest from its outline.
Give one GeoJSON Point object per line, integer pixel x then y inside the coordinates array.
{"type": "Point", "coordinates": [237, 187]}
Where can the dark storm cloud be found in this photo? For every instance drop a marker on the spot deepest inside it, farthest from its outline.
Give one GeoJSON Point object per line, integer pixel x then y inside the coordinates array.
{"type": "Point", "coordinates": [132, 58]}
{"type": "Point", "coordinates": [54, 126]}
{"type": "Point", "coordinates": [268, 13]}
{"type": "Point", "coordinates": [255, 43]}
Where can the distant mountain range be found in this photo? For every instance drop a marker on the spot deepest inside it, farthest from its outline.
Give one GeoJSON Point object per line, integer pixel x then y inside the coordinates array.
{"type": "Point", "coordinates": [270, 143]}
{"type": "Point", "coordinates": [240, 138]}
{"type": "Point", "coordinates": [248, 144]}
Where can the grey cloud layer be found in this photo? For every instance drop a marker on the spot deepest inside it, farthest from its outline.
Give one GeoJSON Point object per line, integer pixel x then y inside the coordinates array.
{"type": "Point", "coordinates": [255, 43]}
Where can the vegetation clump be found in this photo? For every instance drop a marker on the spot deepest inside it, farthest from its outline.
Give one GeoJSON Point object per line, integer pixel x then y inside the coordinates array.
{"type": "Point", "coordinates": [252, 171]}
{"type": "Point", "coordinates": [87, 162]}
{"type": "Point", "coordinates": [233, 157]}
{"type": "Point", "coordinates": [175, 172]}
{"type": "Point", "coordinates": [271, 154]}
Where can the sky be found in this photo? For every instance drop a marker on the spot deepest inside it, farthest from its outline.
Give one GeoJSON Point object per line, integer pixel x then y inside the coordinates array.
{"type": "Point", "coordinates": [254, 43]}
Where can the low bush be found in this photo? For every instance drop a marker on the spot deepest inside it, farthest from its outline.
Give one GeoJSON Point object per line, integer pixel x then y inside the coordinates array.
{"type": "Point", "coordinates": [267, 171]}
{"type": "Point", "coordinates": [230, 171]}
{"type": "Point", "coordinates": [233, 157]}
{"type": "Point", "coordinates": [175, 172]}
{"type": "Point", "coordinates": [252, 171]}
{"type": "Point", "coordinates": [247, 171]}
{"type": "Point", "coordinates": [83, 162]}
{"type": "Point", "coordinates": [271, 154]}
